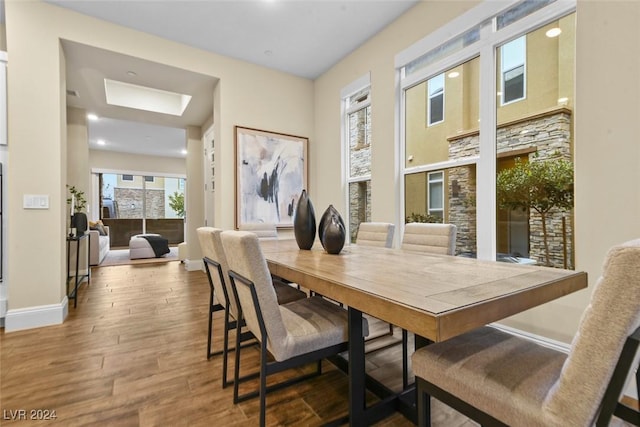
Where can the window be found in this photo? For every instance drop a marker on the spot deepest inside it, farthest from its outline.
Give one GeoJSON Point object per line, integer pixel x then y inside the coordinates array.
{"type": "Point", "coordinates": [508, 99]}
{"type": "Point", "coordinates": [436, 194]}
{"type": "Point", "coordinates": [435, 89]}
{"type": "Point", "coordinates": [513, 68]}
{"type": "Point", "coordinates": [357, 143]}
{"type": "Point", "coordinates": [148, 179]}
{"type": "Point", "coordinates": [127, 177]}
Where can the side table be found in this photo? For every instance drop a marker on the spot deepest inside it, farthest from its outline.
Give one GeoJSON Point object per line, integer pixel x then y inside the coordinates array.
{"type": "Point", "coordinates": [78, 278]}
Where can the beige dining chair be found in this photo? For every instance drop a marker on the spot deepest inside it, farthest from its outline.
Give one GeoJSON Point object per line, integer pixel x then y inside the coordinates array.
{"type": "Point", "coordinates": [375, 234]}
{"type": "Point", "coordinates": [428, 237]}
{"type": "Point", "coordinates": [497, 378]}
{"type": "Point", "coordinates": [290, 335]}
{"type": "Point", "coordinates": [221, 297]}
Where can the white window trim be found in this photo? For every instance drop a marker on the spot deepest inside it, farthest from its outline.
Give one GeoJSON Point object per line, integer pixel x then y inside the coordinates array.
{"type": "Point", "coordinates": [485, 48]}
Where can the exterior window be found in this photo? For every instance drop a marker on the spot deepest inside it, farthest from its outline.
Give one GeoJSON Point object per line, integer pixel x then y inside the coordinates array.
{"type": "Point", "coordinates": [513, 70]}
{"type": "Point", "coordinates": [148, 179]}
{"type": "Point", "coordinates": [357, 122]}
{"type": "Point", "coordinates": [515, 132]}
{"type": "Point", "coordinates": [436, 194]}
{"type": "Point", "coordinates": [127, 177]}
{"type": "Point", "coordinates": [435, 110]}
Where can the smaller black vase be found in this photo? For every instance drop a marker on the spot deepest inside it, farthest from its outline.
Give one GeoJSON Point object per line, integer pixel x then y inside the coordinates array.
{"type": "Point", "coordinates": [304, 222]}
{"type": "Point", "coordinates": [334, 235]}
{"type": "Point", "coordinates": [324, 221]}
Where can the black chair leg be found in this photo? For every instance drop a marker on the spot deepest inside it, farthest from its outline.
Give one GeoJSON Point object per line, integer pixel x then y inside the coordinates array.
{"type": "Point", "coordinates": [405, 359]}
{"type": "Point", "coordinates": [423, 401]}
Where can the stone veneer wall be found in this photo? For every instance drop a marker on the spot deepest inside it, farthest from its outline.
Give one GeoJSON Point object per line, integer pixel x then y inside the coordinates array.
{"type": "Point", "coordinates": [549, 135]}
{"type": "Point", "coordinates": [130, 203]}
{"type": "Point", "coordinates": [359, 165]}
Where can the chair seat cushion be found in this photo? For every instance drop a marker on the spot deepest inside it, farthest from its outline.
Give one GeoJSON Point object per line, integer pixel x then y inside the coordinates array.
{"type": "Point", "coordinates": [506, 376]}
{"type": "Point", "coordinates": [312, 324]}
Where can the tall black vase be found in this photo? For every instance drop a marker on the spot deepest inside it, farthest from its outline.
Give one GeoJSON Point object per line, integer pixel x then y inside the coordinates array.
{"type": "Point", "coordinates": [334, 234]}
{"type": "Point", "coordinates": [79, 222]}
{"type": "Point", "coordinates": [324, 221]}
{"type": "Point", "coordinates": [304, 222]}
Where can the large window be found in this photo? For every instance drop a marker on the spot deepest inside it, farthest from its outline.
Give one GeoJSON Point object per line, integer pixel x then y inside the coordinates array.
{"type": "Point", "coordinates": [135, 204]}
{"type": "Point", "coordinates": [506, 86]}
{"type": "Point", "coordinates": [357, 124]}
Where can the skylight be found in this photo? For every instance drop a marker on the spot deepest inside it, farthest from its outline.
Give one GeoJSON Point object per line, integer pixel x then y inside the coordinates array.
{"type": "Point", "coordinates": [145, 98]}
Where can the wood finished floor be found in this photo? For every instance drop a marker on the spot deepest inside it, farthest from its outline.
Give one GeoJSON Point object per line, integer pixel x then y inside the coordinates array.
{"type": "Point", "coordinates": [133, 353]}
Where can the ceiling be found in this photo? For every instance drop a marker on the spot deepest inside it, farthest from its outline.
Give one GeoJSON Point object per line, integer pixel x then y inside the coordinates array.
{"type": "Point", "coordinates": [301, 37]}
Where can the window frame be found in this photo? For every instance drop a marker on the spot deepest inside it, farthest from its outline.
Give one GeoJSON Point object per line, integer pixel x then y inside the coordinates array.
{"type": "Point", "coordinates": [440, 181]}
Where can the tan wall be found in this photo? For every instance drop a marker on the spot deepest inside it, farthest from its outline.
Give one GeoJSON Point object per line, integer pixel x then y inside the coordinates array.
{"type": "Point", "coordinates": [99, 159]}
{"type": "Point", "coordinates": [194, 195]}
{"type": "Point", "coordinates": [246, 96]}
{"type": "Point", "coordinates": [607, 131]}
{"type": "Point", "coordinates": [78, 153]}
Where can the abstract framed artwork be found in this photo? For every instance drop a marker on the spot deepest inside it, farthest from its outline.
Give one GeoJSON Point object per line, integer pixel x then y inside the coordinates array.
{"type": "Point", "coordinates": [271, 172]}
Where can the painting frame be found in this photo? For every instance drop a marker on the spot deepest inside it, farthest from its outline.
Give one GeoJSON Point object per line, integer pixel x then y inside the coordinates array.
{"type": "Point", "coordinates": [271, 170]}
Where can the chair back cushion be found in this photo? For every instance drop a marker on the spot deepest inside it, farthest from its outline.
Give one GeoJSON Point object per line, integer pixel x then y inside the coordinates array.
{"type": "Point", "coordinates": [612, 315]}
{"type": "Point", "coordinates": [211, 246]}
{"type": "Point", "coordinates": [245, 258]}
{"type": "Point", "coordinates": [262, 229]}
{"type": "Point", "coordinates": [432, 238]}
{"type": "Point", "coordinates": [375, 234]}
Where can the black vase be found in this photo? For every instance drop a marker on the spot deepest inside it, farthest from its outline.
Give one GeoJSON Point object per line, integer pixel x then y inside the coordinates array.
{"type": "Point", "coordinates": [304, 222]}
{"type": "Point", "coordinates": [324, 221]}
{"type": "Point", "coordinates": [79, 222]}
{"type": "Point", "coordinates": [334, 235]}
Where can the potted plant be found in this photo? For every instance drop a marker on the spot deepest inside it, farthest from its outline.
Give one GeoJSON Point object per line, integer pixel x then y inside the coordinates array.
{"type": "Point", "coordinates": [78, 203]}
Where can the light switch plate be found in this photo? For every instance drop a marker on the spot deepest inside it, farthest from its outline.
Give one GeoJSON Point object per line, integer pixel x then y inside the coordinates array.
{"type": "Point", "coordinates": [35, 201]}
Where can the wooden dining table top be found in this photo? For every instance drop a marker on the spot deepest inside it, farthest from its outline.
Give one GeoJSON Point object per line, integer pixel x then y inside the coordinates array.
{"type": "Point", "coordinates": [434, 296]}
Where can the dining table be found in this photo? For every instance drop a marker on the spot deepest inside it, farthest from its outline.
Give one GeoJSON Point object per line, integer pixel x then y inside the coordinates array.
{"type": "Point", "coordinates": [434, 296]}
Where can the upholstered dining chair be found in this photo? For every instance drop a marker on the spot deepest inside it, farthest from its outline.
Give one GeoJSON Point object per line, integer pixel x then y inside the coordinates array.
{"type": "Point", "coordinates": [428, 237]}
{"type": "Point", "coordinates": [290, 335]}
{"type": "Point", "coordinates": [500, 379]}
{"type": "Point", "coordinates": [221, 296]}
{"type": "Point", "coordinates": [375, 234]}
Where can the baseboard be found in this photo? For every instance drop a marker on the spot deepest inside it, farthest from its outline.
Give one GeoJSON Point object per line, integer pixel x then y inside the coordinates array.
{"type": "Point", "coordinates": [36, 317]}
{"type": "Point", "coordinates": [630, 389]}
{"type": "Point", "coordinates": [193, 264]}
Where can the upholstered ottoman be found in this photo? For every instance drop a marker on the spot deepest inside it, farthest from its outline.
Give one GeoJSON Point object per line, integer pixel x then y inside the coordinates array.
{"type": "Point", "coordinates": [148, 246]}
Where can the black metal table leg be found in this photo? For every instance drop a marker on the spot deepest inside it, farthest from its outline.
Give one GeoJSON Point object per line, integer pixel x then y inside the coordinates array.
{"type": "Point", "coordinates": [356, 369]}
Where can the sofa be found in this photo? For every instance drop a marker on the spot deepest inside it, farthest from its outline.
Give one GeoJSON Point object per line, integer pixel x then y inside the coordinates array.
{"type": "Point", "coordinates": [99, 245]}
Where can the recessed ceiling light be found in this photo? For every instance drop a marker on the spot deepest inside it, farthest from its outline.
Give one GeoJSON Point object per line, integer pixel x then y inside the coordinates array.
{"type": "Point", "coordinates": [132, 73]}
{"type": "Point", "coordinates": [101, 142]}
{"type": "Point", "coordinates": [92, 116]}
{"type": "Point", "coordinates": [553, 32]}
{"type": "Point", "coordinates": [268, 52]}
{"type": "Point", "coordinates": [145, 98]}
{"type": "Point", "coordinates": [184, 151]}
{"type": "Point", "coordinates": [453, 74]}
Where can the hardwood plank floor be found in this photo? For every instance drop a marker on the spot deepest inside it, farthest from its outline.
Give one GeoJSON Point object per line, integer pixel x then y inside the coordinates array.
{"type": "Point", "coordinates": [133, 353]}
